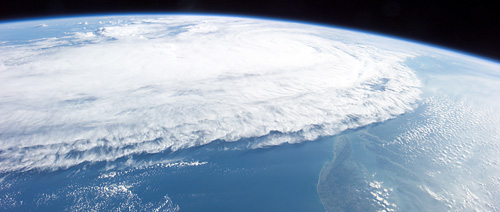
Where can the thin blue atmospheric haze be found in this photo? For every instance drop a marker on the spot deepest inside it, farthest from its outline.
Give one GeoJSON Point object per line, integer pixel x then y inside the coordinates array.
{"type": "Point", "coordinates": [190, 112]}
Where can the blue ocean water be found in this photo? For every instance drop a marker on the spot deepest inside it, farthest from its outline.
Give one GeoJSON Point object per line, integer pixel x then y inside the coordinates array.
{"type": "Point", "coordinates": [281, 178]}
{"type": "Point", "coordinates": [274, 179]}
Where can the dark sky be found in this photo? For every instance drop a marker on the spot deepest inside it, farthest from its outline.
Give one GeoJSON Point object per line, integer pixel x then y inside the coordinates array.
{"type": "Point", "coordinates": [471, 26]}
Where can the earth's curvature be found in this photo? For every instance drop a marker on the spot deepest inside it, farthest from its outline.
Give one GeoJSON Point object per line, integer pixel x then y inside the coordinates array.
{"type": "Point", "coordinates": [218, 113]}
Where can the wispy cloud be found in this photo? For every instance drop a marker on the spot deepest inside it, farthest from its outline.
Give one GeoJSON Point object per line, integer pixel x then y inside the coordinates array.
{"type": "Point", "coordinates": [179, 82]}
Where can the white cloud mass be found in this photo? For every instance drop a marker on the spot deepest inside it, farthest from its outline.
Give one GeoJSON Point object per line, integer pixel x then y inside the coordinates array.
{"type": "Point", "coordinates": [182, 81]}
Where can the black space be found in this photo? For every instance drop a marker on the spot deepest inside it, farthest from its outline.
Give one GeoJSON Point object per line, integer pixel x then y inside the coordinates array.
{"type": "Point", "coordinates": [470, 26]}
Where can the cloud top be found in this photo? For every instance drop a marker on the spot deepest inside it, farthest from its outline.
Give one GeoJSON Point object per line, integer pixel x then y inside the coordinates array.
{"type": "Point", "coordinates": [148, 85]}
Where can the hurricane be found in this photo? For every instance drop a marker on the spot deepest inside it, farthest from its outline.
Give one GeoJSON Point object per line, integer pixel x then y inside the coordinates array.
{"type": "Point", "coordinates": [151, 85]}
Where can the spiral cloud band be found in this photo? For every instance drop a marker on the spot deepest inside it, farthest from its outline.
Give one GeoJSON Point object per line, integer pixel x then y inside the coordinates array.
{"type": "Point", "coordinates": [166, 83]}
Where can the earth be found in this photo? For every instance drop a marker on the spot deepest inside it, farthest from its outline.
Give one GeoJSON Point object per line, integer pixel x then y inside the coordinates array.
{"type": "Point", "coordinates": [217, 113]}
